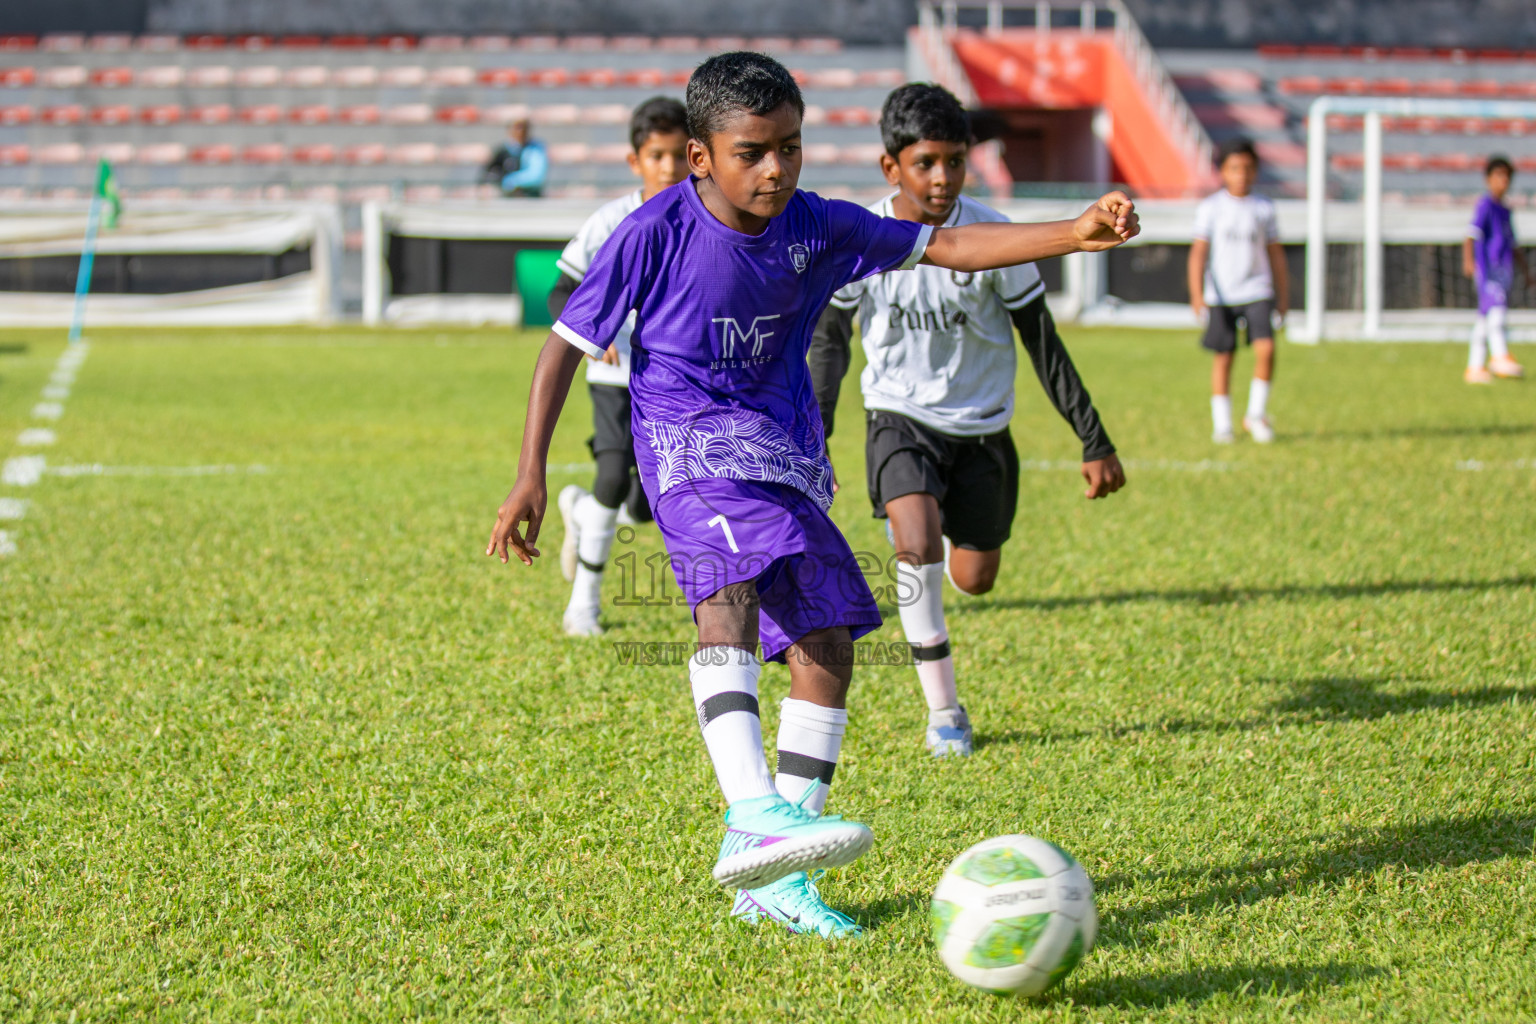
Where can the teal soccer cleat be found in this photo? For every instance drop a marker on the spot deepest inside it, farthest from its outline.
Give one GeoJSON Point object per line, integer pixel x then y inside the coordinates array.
{"type": "Point", "coordinates": [794, 902]}
{"type": "Point", "coordinates": [768, 837]}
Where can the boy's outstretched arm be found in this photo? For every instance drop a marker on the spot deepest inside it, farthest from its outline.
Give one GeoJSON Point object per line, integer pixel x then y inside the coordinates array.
{"type": "Point", "coordinates": [552, 376]}
{"type": "Point", "coordinates": [1053, 365]}
{"type": "Point", "coordinates": [976, 247]}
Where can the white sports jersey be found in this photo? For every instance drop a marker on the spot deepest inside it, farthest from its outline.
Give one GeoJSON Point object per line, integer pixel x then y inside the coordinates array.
{"type": "Point", "coordinates": [939, 342]}
{"type": "Point", "coordinates": [574, 262]}
{"type": "Point", "coordinates": [1240, 231]}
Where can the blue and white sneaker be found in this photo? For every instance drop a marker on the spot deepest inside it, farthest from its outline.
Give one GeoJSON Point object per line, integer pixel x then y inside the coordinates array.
{"type": "Point", "coordinates": [949, 733]}
{"type": "Point", "coordinates": [768, 837]}
{"type": "Point", "coordinates": [794, 902]}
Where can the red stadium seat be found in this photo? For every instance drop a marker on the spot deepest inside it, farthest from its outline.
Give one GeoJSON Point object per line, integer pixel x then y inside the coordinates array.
{"type": "Point", "coordinates": [395, 43]}
{"type": "Point", "coordinates": [501, 77]}
{"type": "Point", "coordinates": [862, 155]}
{"type": "Point", "coordinates": [1304, 85]}
{"type": "Point", "coordinates": [205, 41]}
{"type": "Point", "coordinates": [1526, 164]}
{"type": "Point", "coordinates": [211, 113]}
{"type": "Point", "coordinates": [261, 113]}
{"type": "Point", "coordinates": [1391, 87]}
{"type": "Point", "coordinates": [828, 78]}
{"type": "Point", "coordinates": [166, 76]}
{"type": "Point", "coordinates": [303, 42]}
{"type": "Point", "coordinates": [264, 153]}
{"type": "Point", "coordinates": [645, 78]}
{"type": "Point", "coordinates": [368, 154]}
{"type": "Point", "coordinates": [211, 76]}
{"type": "Point", "coordinates": [162, 113]}
{"type": "Point", "coordinates": [408, 113]}
{"type": "Point", "coordinates": [888, 78]}
{"type": "Point", "coordinates": [68, 76]}
{"type": "Point", "coordinates": [548, 77]}
{"type": "Point", "coordinates": [16, 78]}
{"type": "Point", "coordinates": [59, 153]}
{"type": "Point", "coordinates": [163, 153]}
{"type": "Point", "coordinates": [110, 42]}
{"type": "Point", "coordinates": [408, 76]}
{"type": "Point", "coordinates": [455, 76]}
{"type": "Point", "coordinates": [1451, 162]}
{"type": "Point", "coordinates": [1347, 161]}
{"type": "Point", "coordinates": [259, 76]}
{"type": "Point", "coordinates": [599, 77]}
{"type": "Point", "coordinates": [348, 42]}
{"type": "Point", "coordinates": [462, 113]}
{"type": "Point", "coordinates": [67, 113]}
{"type": "Point", "coordinates": [363, 113]}
{"type": "Point", "coordinates": [1352, 86]}
{"type": "Point", "coordinates": [1479, 87]}
{"type": "Point", "coordinates": [852, 115]}
{"type": "Point", "coordinates": [1520, 90]}
{"type": "Point", "coordinates": [112, 114]}
{"type": "Point", "coordinates": [12, 155]}
{"type": "Point", "coordinates": [307, 76]}
{"type": "Point", "coordinates": [631, 44]}
{"type": "Point", "coordinates": [112, 78]}
{"type": "Point", "coordinates": [356, 76]}
{"type": "Point", "coordinates": [538, 44]}
{"type": "Point", "coordinates": [820, 153]}
{"type": "Point", "coordinates": [1323, 50]}
{"type": "Point", "coordinates": [1344, 123]}
{"type": "Point", "coordinates": [414, 154]}
{"type": "Point", "coordinates": [819, 45]}
{"type": "Point", "coordinates": [310, 113]}
{"type": "Point", "coordinates": [717, 43]}
{"type": "Point", "coordinates": [679, 44]}
{"type": "Point", "coordinates": [252, 42]}
{"type": "Point", "coordinates": [323, 153]}
{"type": "Point", "coordinates": [1436, 87]}
{"type": "Point", "coordinates": [20, 114]}
{"type": "Point", "coordinates": [17, 44]}
{"type": "Point", "coordinates": [1282, 154]}
{"type": "Point", "coordinates": [814, 115]}
{"type": "Point", "coordinates": [1279, 50]}
{"type": "Point", "coordinates": [1402, 162]}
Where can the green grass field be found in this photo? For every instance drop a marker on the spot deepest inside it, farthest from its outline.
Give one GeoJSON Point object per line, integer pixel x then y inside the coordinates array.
{"type": "Point", "coordinates": [284, 745]}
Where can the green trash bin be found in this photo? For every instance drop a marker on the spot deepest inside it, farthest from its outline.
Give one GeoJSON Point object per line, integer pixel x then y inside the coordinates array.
{"type": "Point", "coordinates": [536, 274]}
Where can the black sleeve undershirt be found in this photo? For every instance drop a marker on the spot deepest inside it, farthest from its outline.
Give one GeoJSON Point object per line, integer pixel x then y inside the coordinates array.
{"type": "Point", "coordinates": [560, 294]}
{"type": "Point", "coordinates": [1037, 330]}
{"type": "Point", "coordinates": [829, 357]}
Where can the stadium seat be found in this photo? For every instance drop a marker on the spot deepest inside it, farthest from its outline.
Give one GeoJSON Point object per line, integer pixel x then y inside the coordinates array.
{"type": "Point", "coordinates": [1526, 164]}
{"type": "Point", "coordinates": [348, 42]}
{"type": "Point", "coordinates": [67, 76]}
{"type": "Point", "coordinates": [1436, 87]}
{"type": "Point", "coordinates": [404, 76]}
{"type": "Point", "coordinates": [820, 153]}
{"type": "Point", "coordinates": [307, 76]}
{"type": "Point", "coordinates": [17, 43]}
{"type": "Point", "coordinates": [163, 153]}
{"type": "Point", "coordinates": [442, 44]}
{"type": "Point", "coordinates": [414, 153]}
{"type": "Point", "coordinates": [264, 153]}
{"type": "Point", "coordinates": [362, 113]}
{"type": "Point", "coordinates": [865, 154]}
{"type": "Point", "coordinates": [395, 43]}
{"type": "Point", "coordinates": [881, 78]}
{"type": "Point", "coordinates": [852, 116]}
{"type": "Point", "coordinates": [14, 115]}
{"type": "Point", "coordinates": [111, 42]}
{"type": "Point", "coordinates": [367, 154]}
{"type": "Point", "coordinates": [1281, 154]}
{"type": "Point", "coordinates": [17, 78]}
{"type": "Point", "coordinates": [490, 44]}
{"type": "Point", "coordinates": [1391, 87]}
{"type": "Point", "coordinates": [211, 76]}
{"type": "Point", "coordinates": [570, 153]}
{"type": "Point", "coordinates": [310, 113]}
{"type": "Point", "coordinates": [1520, 90]}
{"type": "Point", "coordinates": [605, 113]}
{"type": "Point", "coordinates": [1479, 87]}
{"type": "Point", "coordinates": [261, 113]}
{"type": "Point", "coordinates": [112, 78]}
{"type": "Point", "coordinates": [211, 113]}
{"type": "Point", "coordinates": [13, 155]}
{"type": "Point", "coordinates": [473, 154]}
{"type": "Point", "coordinates": [814, 115]}
{"type": "Point", "coordinates": [114, 113]}
{"type": "Point", "coordinates": [356, 76]}
{"type": "Point", "coordinates": [1351, 86]}
{"type": "Point", "coordinates": [205, 41]}
{"type": "Point", "coordinates": [162, 114]}
{"type": "Point", "coordinates": [505, 113]}
{"type": "Point", "coordinates": [678, 44]}
{"type": "Point", "coordinates": [601, 78]}
{"type": "Point", "coordinates": [301, 42]}
{"type": "Point", "coordinates": [65, 113]}
{"type": "Point", "coordinates": [645, 78]}
{"type": "Point", "coordinates": [1304, 85]}
{"type": "Point", "coordinates": [166, 76]}
{"type": "Point", "coordinates": [586, 43]}
{"type": "Point", "coordinates": [252, 42]}
{"type": "Point", "coordinates": [1451, 162]}
{"type": "Point", "coordinates": [408, 113]}
{"type": "Point", "coordinates": [59, 153]}
{"type": "Point", "coordinates": [1234, 80]}
{"type": "Point", "coordinates": [322, 153]}
{"type": "Point", "coordinates": [461, 113]}
{"type": "Point", "coordinates": [158, 43]}
{"type": "Point", "coordinates": [547, 78]}
{"type": "Point", "coordinates": [456, 77]}
{"type": "Point", "coordinates": [631, 44]}
{"type": "Point", "coordinates": [609, 153]}
{"type": "Point", "coordinates": [1401, 161]}
{"type": "Point", "coordinates": [258, 76]}
{"type": "Point", "coordinates": [827, 78]}
{"type": "Point", "coordinates": [62, 42]}
{"type": "Point", "coordinates": [538, 44]}
{"type": "Point", "coordinates": [556, 113]}
{"type": "Point", "coordinates": [500, 77]}
{"type": "Point", "coordinates": [819, 45]}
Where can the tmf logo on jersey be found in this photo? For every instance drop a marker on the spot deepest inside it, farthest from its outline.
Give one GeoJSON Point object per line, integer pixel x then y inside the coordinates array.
{"type": "Point", "coordinates": [754, 335]}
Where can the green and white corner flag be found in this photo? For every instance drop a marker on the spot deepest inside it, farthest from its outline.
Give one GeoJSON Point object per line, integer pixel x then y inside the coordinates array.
{"type": "Point", "coordinates": [105, 195]}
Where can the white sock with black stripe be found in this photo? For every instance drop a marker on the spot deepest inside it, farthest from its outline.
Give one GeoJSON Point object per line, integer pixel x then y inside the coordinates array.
{"type": "Point", "coordinates": [922, 620]}
{"type": "Point", "coordinates": [810, 737]}
{"type": "Point", "coordinates": [724, 683]}
{"type": "Point", "coordinates": [597, 525]}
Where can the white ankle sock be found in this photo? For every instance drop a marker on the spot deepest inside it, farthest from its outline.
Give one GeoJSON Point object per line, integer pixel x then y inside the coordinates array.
{"type": "Point", "coordinates": [810, 737]}
{"type": "Point", "coordinates": [1258, 398]}
{"type": "Point", "coordinates": [724, 683]}
{"type": "Point", "coordinates": [922, 620]}
{"type": "Point", "coordinates": [1477, 355]}
{"type": "Point", "coordinates": [1221, 414]}
{"type": "Point", "coordinates": [1498, 344]}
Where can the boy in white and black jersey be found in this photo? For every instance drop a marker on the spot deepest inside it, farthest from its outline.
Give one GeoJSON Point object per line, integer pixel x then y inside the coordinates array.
{"type": "Point", "coordinates": [658, 134]}
{"type": "Point", "coordinates": [1237, 276]}
{"type": "Point", "coordinates": [938, 390]}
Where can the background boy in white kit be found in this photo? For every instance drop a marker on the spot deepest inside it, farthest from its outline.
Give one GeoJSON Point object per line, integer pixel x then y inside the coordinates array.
{"type": "Point", "coordinates": [1237, 275]}
{"type": "Point", "coordinates": [938, 388]}
{"type": "Point", "coordinates": [658, 134]}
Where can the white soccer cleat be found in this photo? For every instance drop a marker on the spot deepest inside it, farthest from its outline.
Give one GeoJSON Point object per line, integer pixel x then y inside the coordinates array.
{"type": "Point", "coordinates": [1259, 429]}
{"type": "Point", "coordinates": [1504, 366]}
{"type": "Point", "coordinates": [569, 496]}
{"type": "Point", "coordinates": [581, 622]}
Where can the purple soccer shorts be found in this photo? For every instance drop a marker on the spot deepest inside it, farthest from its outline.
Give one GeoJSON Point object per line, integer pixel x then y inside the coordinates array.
{"type": "Point", "coordinates": [720, 531]}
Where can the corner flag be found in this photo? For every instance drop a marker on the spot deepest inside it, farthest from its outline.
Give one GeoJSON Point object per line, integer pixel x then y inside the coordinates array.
{"type": "Point", "coordinates": [106, 193]}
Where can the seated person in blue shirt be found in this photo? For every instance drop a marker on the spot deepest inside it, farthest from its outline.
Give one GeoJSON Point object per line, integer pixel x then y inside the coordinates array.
{"type": "Point", "coordinates": [520, 164]}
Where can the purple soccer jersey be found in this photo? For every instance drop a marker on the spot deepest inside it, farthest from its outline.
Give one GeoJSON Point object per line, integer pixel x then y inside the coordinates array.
{"type": "Point", "coordinates": [1493, 251]}
{"type": "Point", "coordinates": [723, 321]}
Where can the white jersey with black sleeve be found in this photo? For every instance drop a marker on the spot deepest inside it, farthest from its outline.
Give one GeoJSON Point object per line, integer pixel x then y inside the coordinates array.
{"type": "Point", "coordinates": [577, 258]}
{"type": "Point", "coordinates": [939, 343]}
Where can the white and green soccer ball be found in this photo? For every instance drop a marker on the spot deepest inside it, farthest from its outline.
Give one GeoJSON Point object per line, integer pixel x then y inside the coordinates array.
{"type": "Point", "coordinates": [1013, 915]}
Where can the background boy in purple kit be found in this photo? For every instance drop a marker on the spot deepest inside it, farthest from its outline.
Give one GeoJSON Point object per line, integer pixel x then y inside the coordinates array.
{"type": "Point", "coordinates": [1488, 256]}
{"type": "Point", "coordinates": [727, 273]}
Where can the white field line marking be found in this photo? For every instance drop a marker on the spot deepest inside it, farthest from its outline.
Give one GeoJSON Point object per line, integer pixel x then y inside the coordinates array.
{"type": "Point", "coordinates": [23, 470]}
{"type": "Point", "coordinates": [1478, 465]}
{"type": "Point", "coordinates": [35, 436]}
{"type": "Point", "coordinates": [56, 392]}
{"type": "Point", "coordinates": [47, 410]}
{"type": "Point", "coordinates": [97, 469]}
{"type": "Point", "coordinates": [13, 508]}
{"type": "Point", "coordinates": [7, 544]}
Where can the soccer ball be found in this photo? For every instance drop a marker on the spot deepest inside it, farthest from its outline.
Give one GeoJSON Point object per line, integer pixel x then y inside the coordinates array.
{"type": "Point", "coordinates": [1013, 915]}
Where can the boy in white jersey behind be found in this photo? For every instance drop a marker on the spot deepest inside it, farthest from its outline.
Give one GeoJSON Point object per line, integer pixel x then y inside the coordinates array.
{"type": "Point", "coordinates": [726, 274]}
{"type": "Point", "coordinates": [1246, 282]}
{"type": "Point", "coordinates": [938, 388]}
{"type": "Point", "coordinates": [658, 135]}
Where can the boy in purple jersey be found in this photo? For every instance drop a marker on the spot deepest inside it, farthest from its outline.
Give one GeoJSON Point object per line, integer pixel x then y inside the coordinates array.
{"type": "Point", "coordinates": [1488, 256]}
{"type": "Point", "coordinates": [727, 273]}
